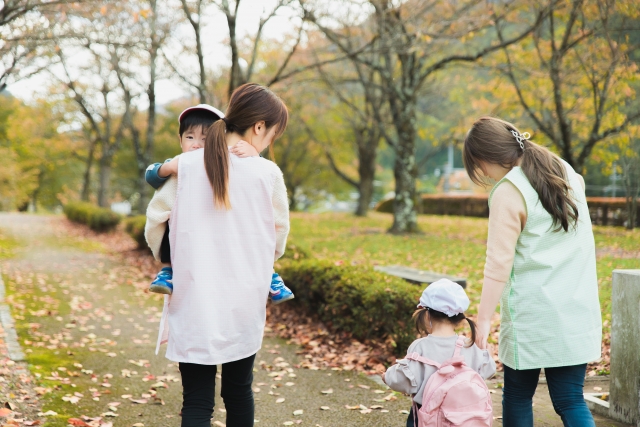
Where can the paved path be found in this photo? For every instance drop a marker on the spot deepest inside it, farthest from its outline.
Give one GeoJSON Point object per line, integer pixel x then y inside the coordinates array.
{"type": "Point", "coordinates": [88, 330]}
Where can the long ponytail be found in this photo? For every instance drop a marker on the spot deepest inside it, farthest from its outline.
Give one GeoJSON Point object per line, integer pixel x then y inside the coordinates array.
{"type": "Point", "coordinates": [249, 104]}
{"type": "Point", "coordinates": [490, 140]}
{"type": "Point", "coordinates": [548, 176]}
{"type": "Point", "coordinates": [216, 163]}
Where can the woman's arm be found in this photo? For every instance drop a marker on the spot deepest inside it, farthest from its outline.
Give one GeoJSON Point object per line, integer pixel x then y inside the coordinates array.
{"type": "Point", "coordinates": [507, 218]}
{"type": "Point", "coordinates": [280, 213]}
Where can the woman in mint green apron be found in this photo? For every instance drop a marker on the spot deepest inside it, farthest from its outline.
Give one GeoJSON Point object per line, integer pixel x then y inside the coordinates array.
{"type": "Point", "coordinates": [541, 268]}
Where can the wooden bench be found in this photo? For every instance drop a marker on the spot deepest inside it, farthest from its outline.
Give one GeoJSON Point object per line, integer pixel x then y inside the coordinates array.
{"type": "Point", "coordinates": [414, 275]}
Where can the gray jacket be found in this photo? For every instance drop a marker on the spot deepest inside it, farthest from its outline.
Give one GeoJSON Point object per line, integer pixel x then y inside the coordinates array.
{"type": "Point", "coordinates": [410, 377]}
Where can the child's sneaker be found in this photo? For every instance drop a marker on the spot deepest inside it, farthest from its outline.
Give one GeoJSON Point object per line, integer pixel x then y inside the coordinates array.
{"type": "Point", "coordinates": [279, 291]}
{"type": "Point", "coordinates": [163, 284]}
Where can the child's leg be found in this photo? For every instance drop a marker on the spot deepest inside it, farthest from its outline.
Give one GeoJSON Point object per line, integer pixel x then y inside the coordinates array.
{"type": "Point", "coordinates": [163, 283]}
{"type": "Point", "coordinates": [279, 292]}
{"type": "Point", "coordinates": [165, 248]}
{"type": "Point", "coordinates": [412, 419]}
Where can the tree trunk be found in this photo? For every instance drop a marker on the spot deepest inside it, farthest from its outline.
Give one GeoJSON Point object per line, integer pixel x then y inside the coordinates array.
{"type": "Point", "coordinates": [235, 76]}
{"type": "Point", "coordinates": [86, 181]}
{"type": "Point", "coordinates": [147, 154]}
{"type": "Point", "coordinates": [405, 171]}
{"type": "Point", "coordinates": [292, 198]}
{"type": "Point", "coordinates": [366, 171]}
{"type": "Point", "coordinates": [104, 180]}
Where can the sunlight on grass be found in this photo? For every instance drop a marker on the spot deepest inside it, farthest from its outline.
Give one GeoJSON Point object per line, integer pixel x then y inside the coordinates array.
{"type": "Point", "coordinates": [8, 245]}
{"type": "Point", "coordinates": [447, 244]}
{"type": "Point", "coordinates": [75, 243]}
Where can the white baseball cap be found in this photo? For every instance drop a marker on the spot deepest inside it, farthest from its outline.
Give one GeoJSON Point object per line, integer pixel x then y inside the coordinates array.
{"type": "Point", "coordinates": [205, 107]}
{"type": "Point", "coordinates": [445, 296]}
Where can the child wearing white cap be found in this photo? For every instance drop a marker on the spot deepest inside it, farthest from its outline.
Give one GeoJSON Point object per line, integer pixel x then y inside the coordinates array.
{"type": "Point", "coordinates": [439, 313]}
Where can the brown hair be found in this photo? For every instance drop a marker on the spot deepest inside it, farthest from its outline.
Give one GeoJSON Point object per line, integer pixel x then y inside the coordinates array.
{"type": "Point", "coordinates": [490, 141]}
{"type": "Point", "coordinates": [249, 104]}
{"type": "Point", "coordinates": [421, 315]}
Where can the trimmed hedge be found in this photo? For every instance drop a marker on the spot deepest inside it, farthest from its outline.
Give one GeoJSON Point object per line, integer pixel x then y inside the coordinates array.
{"type": "Point", "coordinates": [439, 204]}
{"type": "Point", "coordinates": [294, 252]}
{"type": "Point", "coordinates": [134, 226]}
{"type": "Point", "coordinates": [603, 210]}
{"type": "Point", "coordinates": [365, 303]}
{"type": "Point", "coordinates": [96, 218]}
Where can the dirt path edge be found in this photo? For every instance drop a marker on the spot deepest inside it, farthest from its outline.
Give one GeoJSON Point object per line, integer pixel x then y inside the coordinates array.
{"type": "Point", "coordinates": [14, 350]}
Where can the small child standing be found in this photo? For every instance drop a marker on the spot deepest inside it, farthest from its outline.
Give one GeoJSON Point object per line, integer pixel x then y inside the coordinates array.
{"type": "Point", "coordinates": [441, 310]}
{"type": "Point", "coordinates": [194, 122]}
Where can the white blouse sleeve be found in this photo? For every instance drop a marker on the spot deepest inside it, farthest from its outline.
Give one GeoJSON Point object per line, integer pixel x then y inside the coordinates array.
{"type": "Point", "coordinates": [280, 213]}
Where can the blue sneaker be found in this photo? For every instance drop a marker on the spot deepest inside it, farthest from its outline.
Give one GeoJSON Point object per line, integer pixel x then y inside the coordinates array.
{"type": "Point", "coordinates": [164, 282]}
{"type": "Point", "coordinates": [279, 291]}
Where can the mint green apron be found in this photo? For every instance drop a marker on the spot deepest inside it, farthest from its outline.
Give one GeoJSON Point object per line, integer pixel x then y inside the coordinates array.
{"type": "Point", "coordinates": [550, 311]}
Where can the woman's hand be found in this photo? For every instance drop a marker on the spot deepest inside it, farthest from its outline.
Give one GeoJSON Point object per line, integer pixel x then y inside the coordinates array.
{"type": "Point", "coordinates": [243, 149]}
{"type": "Point", "coordinates": [482, 333]}
{"type": "Point", "coordinates": [491, 293]}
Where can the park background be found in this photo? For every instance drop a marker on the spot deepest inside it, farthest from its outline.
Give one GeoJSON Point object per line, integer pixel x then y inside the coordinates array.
{"type": "Point", "coordinates": [381, 94]}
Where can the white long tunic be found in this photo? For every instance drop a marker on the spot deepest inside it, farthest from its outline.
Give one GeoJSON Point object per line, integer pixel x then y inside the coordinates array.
{"type": "Point", "coordinates": [222, 261]}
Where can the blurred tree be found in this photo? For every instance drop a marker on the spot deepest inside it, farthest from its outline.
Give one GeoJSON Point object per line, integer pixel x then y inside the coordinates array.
{"type": "Point", "coordinates": [629, 163]}
{"type": "Point", "coordinates": [241, 70]}
{"type": "Point", "coordinates": [416, 40]}
{"type": "Point", "coordinates": [574, 79]}
{"type": "Point", "coordinates": [38, 161]}
{"type": "Point", "coordinates": [362, 111]}
{"type": "Point", "coordinates": [300, 156]}
{"type": "Point", "coordinates": [152, 30]}
{"type": "Point", "coordinates": [107, 39]}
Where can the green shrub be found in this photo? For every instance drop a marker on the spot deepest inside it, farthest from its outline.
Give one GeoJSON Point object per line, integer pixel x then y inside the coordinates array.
{"type": "Point", "coordinates": [134, 226]}
{"type": "Point", "coordinates": [385, 206]}
{"type": "Point", "coordinates": [294, 252]}
{"type": "Point", "coordinates": [365, 303]}
{"type": "Point", "coordinates": [97, 218]}
{"type": "Point", "coordinates": [446, 204]}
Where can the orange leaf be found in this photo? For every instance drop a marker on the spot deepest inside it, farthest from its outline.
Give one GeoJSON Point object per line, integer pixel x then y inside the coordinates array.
{"type": "Point", "coordinates": [76, 422]}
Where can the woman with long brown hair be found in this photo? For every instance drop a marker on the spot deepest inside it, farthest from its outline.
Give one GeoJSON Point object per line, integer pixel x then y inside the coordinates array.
{"type": "Point", "coordinates": [229, 222]}
{"type": "Point", "coordinates": [541, 267]}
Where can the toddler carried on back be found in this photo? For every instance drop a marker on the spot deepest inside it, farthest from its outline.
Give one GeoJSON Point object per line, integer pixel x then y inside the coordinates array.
{"type": "Point", "coordinates": [194, 123]}
{"type": "Point", "coordinates": [444, 372]}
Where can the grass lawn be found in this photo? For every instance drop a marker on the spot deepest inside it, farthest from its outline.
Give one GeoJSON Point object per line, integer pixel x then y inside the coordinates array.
{"type": "Point", "coordinates": [448, 244]}
{"type": "Point", "coordinates": [8, 245]}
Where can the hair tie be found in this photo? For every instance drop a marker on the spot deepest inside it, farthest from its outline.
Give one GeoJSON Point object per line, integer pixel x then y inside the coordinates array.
{"type": "Point", "coordinates": [521, 138]}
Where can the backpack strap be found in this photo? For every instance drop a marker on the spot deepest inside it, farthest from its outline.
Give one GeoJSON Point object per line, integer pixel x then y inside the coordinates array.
{"type": "Point", "coordinates": [459, 345]}
{"type": "Point", "coordinates": [415, 356]}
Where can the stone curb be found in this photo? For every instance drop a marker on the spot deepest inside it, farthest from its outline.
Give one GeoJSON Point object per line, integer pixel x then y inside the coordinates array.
{"type": "Point", "coordinates": [11, 337]}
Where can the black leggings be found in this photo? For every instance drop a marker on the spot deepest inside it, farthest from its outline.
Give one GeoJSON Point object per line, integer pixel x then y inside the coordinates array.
{"type": "Point", "coordinates": [199, 384]}
{"type": "Point", "coordinates": [165, 247]}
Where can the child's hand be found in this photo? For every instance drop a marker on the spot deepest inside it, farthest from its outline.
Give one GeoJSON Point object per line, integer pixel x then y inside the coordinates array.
{"type": "Point", "coordinates": [382, 376]}
{"type": "Point", "coordinates": [170, 168]}
{"type": "Point", "coordinates": [243, 149]}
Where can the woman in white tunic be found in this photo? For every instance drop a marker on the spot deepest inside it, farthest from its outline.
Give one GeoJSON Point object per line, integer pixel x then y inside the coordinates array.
{"type": "Point", "coordinates": [228, 224]}
{"type": "Point", "coordinates": [541, 267]}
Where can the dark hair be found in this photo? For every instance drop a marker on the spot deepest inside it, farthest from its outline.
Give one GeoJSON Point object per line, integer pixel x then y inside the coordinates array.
{"type": "Point", "coordinates": [249, 104]}
{"type": "Point", "coordinates": [421, 315]}
{"type": "Point", "coordinates": [197, 118]}
{"type": "Point", "coordinates": [490, 140]}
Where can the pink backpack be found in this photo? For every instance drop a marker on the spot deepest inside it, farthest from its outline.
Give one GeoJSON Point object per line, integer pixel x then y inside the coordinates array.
{"type": "Point", "coordinates": [455, 394]}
